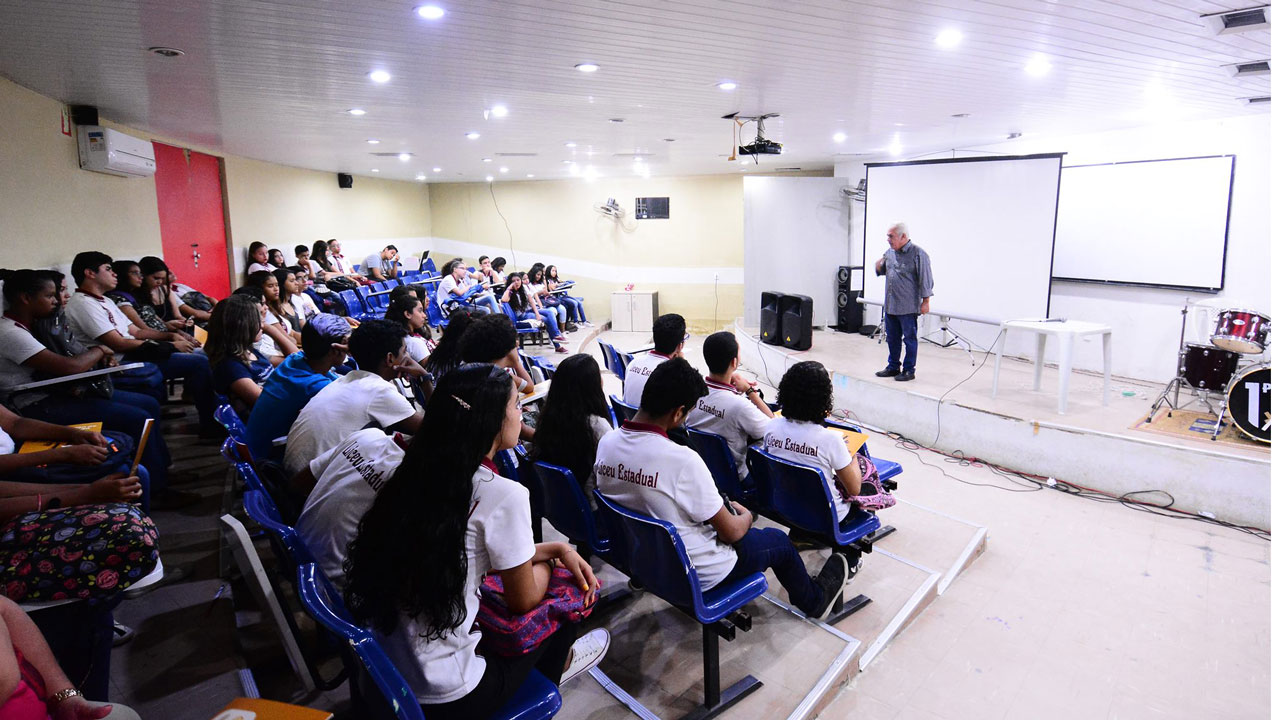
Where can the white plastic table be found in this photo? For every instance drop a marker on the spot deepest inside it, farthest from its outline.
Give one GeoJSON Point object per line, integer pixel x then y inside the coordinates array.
{"type": "Point", "coordinates": [1066, 331]}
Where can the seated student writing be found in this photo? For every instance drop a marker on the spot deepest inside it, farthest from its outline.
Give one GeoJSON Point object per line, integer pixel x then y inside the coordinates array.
{"type": "Point", "coordinates": [362, 398]}
{"type": "Point", "coordinates": [454, 285]}
{"type": "Point", "coordinates": [574, 418]}
{"type": "Point", "coordinates": [574, 304]}
{"type": "Point", "coordinates": [238, 370]}
{"type": "Point", "coordinates": [640, 469]}
{"type": "Point", "coordinates": [383, 265]}
{"type": "Point", "coordinates": [95, 320]}
{"type": "Point", "coordinates": [732, 409]}
{"type": "Point", "coordinates": [467, 520]}
{"type": "Point", "coordinates": [668, 342]}
{"type": "Point", "coordinates": [28, 353]}
{"type": "Point", "coordinates": [805, 400]}
{"type": "Point", "coordinates": [297, 380]}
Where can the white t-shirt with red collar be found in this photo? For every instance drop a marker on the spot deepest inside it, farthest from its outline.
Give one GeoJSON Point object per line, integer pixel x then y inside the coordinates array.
{"type": "Point", "coordinates": [341, 265]}
{"type": "Point", "coordinates": [638, 372]}
{"type": "Point", "coordinates": [811, 444]}
{"type": "Point", "coordinates": [499, 536]}
{"type": "Point", "coordinates": [641, 470]}
{"type": "Point", "coordinates": [92, 316]}
{"type": "Point", "coordinates": [731, 415]}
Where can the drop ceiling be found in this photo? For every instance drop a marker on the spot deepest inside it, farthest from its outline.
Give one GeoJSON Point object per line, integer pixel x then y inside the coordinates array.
{"type": "Point", "coordinates": [273, 79]}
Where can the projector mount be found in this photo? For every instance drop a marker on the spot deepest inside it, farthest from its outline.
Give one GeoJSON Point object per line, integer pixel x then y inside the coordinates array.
{"type": "Point", "coordinates": [761, 146]}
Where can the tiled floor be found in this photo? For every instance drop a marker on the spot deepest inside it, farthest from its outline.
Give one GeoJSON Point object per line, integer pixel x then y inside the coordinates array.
{"type": "Point", "coordinates": [1077, 609]}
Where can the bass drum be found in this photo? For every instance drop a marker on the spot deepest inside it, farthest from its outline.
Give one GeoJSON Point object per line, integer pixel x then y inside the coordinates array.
{"type": "Point", "coordinates": [1249, 402]}
{"type": "Point", "coordinates": [1208, 368]}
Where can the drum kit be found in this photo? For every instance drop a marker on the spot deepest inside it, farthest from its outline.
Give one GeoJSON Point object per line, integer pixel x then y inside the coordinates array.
{"type": "Point", "coordinates": [1216, 372]}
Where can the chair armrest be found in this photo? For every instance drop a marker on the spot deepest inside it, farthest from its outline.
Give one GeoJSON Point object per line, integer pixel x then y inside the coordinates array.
{"type": "Point", "coordinates": [74, 378]}
{"type": "Point", "coordinates": [280, 441]}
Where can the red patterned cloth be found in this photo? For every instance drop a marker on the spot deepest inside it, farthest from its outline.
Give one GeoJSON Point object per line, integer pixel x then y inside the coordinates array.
{"type": "Point", "coordinates": [511, 636]}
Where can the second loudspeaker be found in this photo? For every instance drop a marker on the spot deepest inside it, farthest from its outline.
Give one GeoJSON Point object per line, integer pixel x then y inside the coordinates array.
{"type": "Point", "coordinates": [797, 321]}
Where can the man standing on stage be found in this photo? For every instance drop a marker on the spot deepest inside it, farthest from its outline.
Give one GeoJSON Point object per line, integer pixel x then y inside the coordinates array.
{"type": "Point", "coordinates": [908, 287]}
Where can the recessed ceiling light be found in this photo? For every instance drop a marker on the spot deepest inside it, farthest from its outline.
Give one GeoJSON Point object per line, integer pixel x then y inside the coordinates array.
{"type": "Point", "coordinates": [355, 111]}
{"type": "Point", "coordinates": [488, 160]}
{"type": "Point", "coordinates": [566, 162]}
{"type": "Point", "coordinates": [405, 157]}
{"type": "Point", "coordinates": [168, 52]}
{"type": "Point", "coordinates": [503, 170]}
{"type": "Point", "coordinates": [436, 169]}
{"type": "Point", "coordinates": [371, 141]}
{"type": "Point", "coordinates": [728, 85]}
{"type": "Point", "coordinates": [586, 67]}
{"type": "Point", "coordinates": [498, 111]}
{"type": "Point", "coordinates": [571, 144]}
{"type": "Point", "coordinates": [529, 175]}
{"type": "Point", "coordinates": [591, 174]}
{"type": "Point", "coordinates": [375, 170]}
{"type": "Point", "coordinates": [839, 137]}
{"type": "Point", "coordinates": [430, 12]}
{"type": "Point", "coordinates": [895, 148]}
{"type": "Point", "coordinates": [948, 38]}
{"type": "Point", "coordinates": [380, 76]}
{"type": "Point", "coordinates": [638, 159]}
{"type": "Point", "coordinates": [488, 178]}
{"type": "Point", "coordinates": [1038, 66]}
{"type": "Point", "coordinates": [473, 136]}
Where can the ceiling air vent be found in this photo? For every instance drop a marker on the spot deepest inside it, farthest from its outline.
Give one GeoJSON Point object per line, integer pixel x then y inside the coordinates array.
{"type": "Point", "coordinates": [1257, 100]}
{"type": "Point", "coordinates": [1249, 69]}
{"type": "Point", "coordinates": [1234, 21]}
{"type": "Point", "coordinates": [389, 154]}
{"type": "Point", "coordinates": [501, 154]}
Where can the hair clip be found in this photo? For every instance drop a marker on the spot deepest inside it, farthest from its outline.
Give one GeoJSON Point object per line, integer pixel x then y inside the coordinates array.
{"type": "Point", "coordinates": [461, 402]}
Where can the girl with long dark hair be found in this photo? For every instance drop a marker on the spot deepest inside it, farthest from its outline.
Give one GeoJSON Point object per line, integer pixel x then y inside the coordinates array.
{"type": "Point", "coordinates": [444, 520]}
{"type": "Point", "coordinates": [406, 311]}
{"type": "Point", "coordinates": [284, 306]}
{"type": "Point", "coordinates": [574, 304]}
{"type": "Point", "coordinates": [448, 353]}
{"type": "Point", "coordinates": [155, 294]}
{"type": "Point", "coordinates": [284, 341]}
{"type": "Point", "coordinates": [524, 304]}
{"type": "Point", "coordinates": [259, 259]}
{"type": "Point", "coordinates": [573, 420]}
{"type": "Point", "coordinates": [536, 285]}
{"type": "Point", "coordinates": [238, 370]}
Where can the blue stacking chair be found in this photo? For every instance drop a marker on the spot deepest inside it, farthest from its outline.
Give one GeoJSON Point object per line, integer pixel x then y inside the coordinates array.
{"type": "Point", "coordinates": [566, 506]}
{"type": "Point", "coordinates": [430, 266]}
{"type": "Point", "coordinates": [377, 687]}
{"type": "Point", "coordinates": [621, 410]}
{"type": "Point", "coordinates": [618, 362]}
{"type": "Point", "coordinates": [608, 359]}
{"type": "Point", "coordinates": [714, 450]}
{"type": "Point", "coordinates": [887, 469]}
{"type": "Point", "coordinates": [651, 552]}
{"type": "Point", "coordinates": [354, 305]}
{"type": "Point", "coordinates": [435, 317]}
{"type": "Point", "coordinates": [514, 465]}
{"type": "Point", "coordinates": [523, 331]}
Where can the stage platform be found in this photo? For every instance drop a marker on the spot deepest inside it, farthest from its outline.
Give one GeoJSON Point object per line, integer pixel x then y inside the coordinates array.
{"type": "Point", "coordinates": [1093, 444]}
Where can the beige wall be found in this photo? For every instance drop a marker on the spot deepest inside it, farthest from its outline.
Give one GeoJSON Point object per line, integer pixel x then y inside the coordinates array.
{"type": "Point", "coordinates": [554, 221]}
{"type": "Point", "coordinates": [50, 209]}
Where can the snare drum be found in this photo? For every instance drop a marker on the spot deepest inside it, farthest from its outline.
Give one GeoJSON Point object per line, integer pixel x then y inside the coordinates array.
{"type": "Point", "coordinates": [1249, 402]}
{"type": "Point", "coordinates": [1242, 331]}
{"type": "Point", "coordinates": [1207, 367]}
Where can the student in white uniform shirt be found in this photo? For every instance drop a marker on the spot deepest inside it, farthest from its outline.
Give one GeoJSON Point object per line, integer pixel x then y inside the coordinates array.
{"type": "Point", "coordinates": [444, 520]}
{"type": "Point", "coordinates": [640, 469]}
{"type": "Point", "coordinates": [361, 398]}
{"type": "Point", "coordinates": [805, 399]}
{"type": "Point", "coordinates": [668, 342]}
{"type": "Point", "coordinates": [732, 409]}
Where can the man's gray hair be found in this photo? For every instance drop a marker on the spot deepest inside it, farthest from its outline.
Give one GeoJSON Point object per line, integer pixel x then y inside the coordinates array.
{"type": "Point", "coordinates": [901, 228]}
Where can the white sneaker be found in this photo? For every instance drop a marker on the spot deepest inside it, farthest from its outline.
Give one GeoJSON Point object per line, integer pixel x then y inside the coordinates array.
{"type": "Point", "coordinates": [587, 653]}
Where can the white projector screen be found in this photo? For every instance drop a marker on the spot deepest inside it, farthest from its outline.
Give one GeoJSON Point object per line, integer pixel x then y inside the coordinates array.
{"type": "Point", "coordinates": [987, 224]}
{"type": "Point", "coordinates": [1151, 222]}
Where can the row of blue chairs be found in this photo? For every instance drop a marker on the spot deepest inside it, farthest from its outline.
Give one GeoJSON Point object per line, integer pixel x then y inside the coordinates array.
{"type": "Point", "coordinates": [369, 302]}
{"type": "Point", "coordinates": [615, 361]}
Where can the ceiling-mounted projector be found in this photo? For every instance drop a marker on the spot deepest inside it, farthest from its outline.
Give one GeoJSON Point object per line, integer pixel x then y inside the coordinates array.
{"type": "Point", "coordinates": [761, 145]}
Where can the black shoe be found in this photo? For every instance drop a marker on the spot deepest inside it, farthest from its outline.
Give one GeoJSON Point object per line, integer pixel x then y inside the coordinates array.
{"type": "Point", "coordinates": [905, 376]}
{"type": "Point", "coordinates": [804, 540]}
{"type": "Point", "coordinates": [887, 373]}
{"type": "Point", "coordinates": [831, 579]}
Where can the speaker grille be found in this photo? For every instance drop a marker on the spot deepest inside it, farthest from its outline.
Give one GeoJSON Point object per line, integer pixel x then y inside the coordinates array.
{"type": "Point", "coordinates": [842, 276]}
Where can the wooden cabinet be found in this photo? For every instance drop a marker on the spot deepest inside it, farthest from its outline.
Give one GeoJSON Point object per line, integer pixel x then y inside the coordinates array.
{"type": "Point", "coordinates": [634, 311]}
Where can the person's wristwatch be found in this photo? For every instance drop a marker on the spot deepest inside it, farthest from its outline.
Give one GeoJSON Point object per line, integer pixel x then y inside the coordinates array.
{"type": "Point", "coordinates": [56, 698]}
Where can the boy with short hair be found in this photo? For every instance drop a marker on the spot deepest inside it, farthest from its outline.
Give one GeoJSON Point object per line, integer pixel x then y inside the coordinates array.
{"type": "Point", "coordinates": [732, 408]}
{"type": "Point", "coordinates": [668, 342]}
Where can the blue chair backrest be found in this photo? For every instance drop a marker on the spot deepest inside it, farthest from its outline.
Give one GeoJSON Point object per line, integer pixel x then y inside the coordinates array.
{"type": "Point", "coordinates": [621, 410]}
{"type": "Point", "coordinates": [289, 547]}
{"type": "Point", "coordinates": [351, 301]}
{"type": "Point", "coordinates": [619, 364]}
{"type": "Point", "coordinates": [608, 356]}
{"type": "Point", "coordinates": [227, 417]}
{"type": "Point", "coordinates": [511, 314]}
{"type": "Point", "coordinates": [651, 552]}
{"type": "Point", "coordinates": [797, 493]}
{"type": "Point", "coordinates": [430, 266]}
{"type": "Point", "coordinates": [250, 477]}
{"type": "Point", "coordinates": [383, 689]}
{"type": "Point", "coordinates": [565, 505]}
{"type": "Point", "coordinates": [435, 318]}
{"type": "Point", "coordinates": [714, 451]}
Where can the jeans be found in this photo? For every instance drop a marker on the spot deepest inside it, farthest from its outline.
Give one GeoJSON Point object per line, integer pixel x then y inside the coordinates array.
{"type": "Point", "coordinates": [901, 329]}
{"type": "Point", "coordinates": [770, 548]}
{"type": "Point", "coordinates": [125, 412]}
{"type": "Point", "coordinates": [561, 312]}
{"type": "Point", "coordinates": [146, 380]}
{"type": "Point", "coordinates": [574, 306]}
{"type": "Point", "coordinates": [549, 317]}
{"type": "Point", "coordinates": [198, 377]}
{"type": "Point", "coordinates": [487, 302]}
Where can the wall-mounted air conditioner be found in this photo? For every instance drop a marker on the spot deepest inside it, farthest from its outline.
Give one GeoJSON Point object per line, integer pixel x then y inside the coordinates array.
{"type": "Point", "coordinates": [107, 151]}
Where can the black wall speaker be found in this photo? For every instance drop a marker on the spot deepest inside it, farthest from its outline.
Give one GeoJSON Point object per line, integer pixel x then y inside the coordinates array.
{"type": "Point", "coordinates": [848, 309]}
{"type": "Point", "coordinates": [770, 318]}
{"type": "Point", "coordinates": [797, 321]}
{"type": "Point", "coordinates": [345, 181]}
